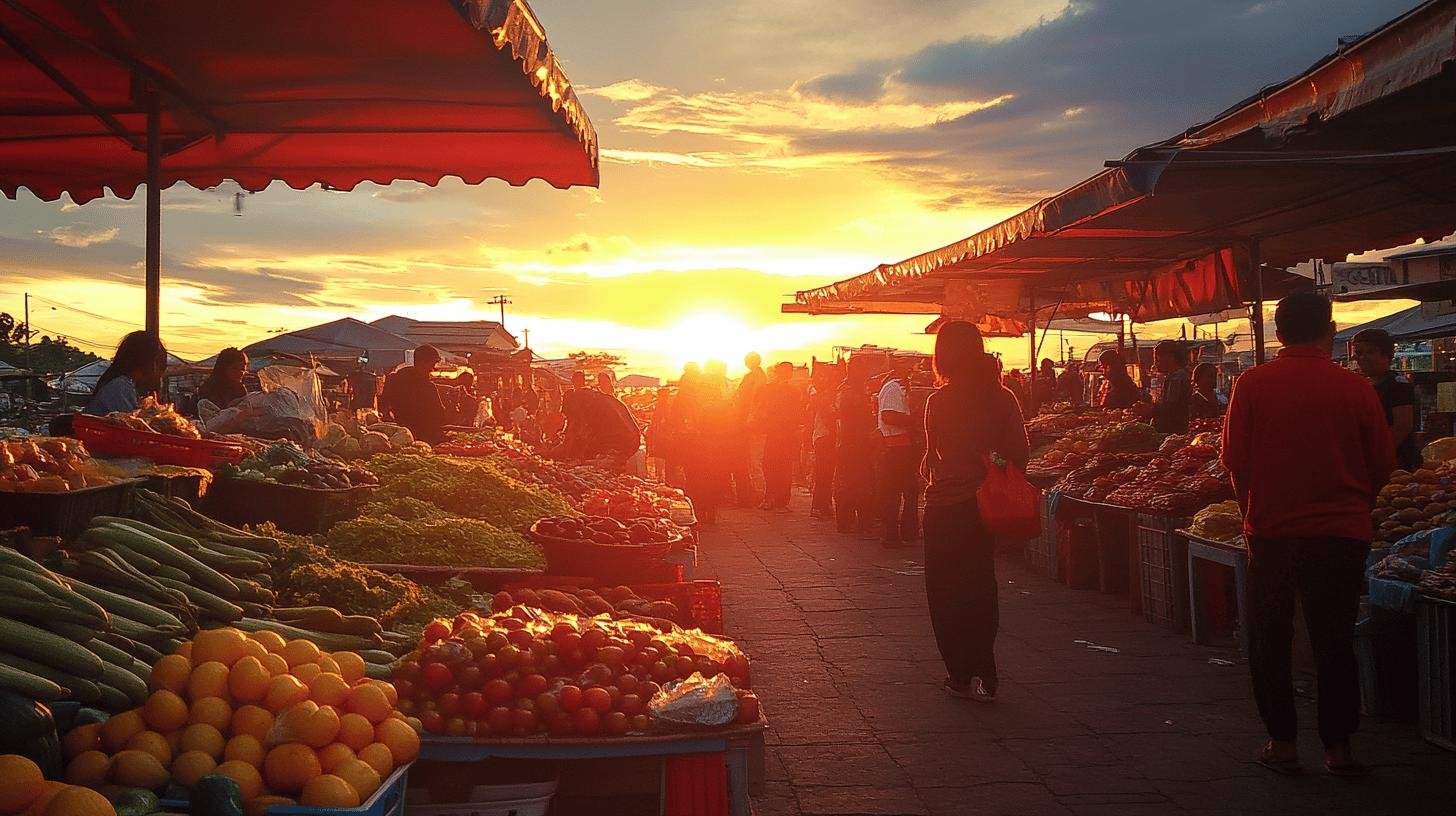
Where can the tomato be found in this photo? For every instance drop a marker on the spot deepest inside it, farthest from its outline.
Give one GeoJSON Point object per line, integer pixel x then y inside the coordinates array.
{"type": "Point", "coordinates": [648, 690]}
{"type": "Point", "coordinates": [569, 640]}
{"type": "Point", "coordinates": [520, 638]}
{"type": "Point", "coordinates": [523, 722]}
{"type": "Point", "coordinates": [498, 691]}
{"type": "Point", "coordinates": [470, 676]}
{"type": "Point", "coordinates": [435, 631]}
{"type": "Point", "coordinates": [560, 724]}
{"type": "Point", "coordinates": [593, 638]}
{"type": "Point", "coordinates": [597, 698]}
{"type": "Point", "coordinates": [648, 656]}
{"type": "Point", "coordinates": [449, 704]}
{"type": "Point", "coordinates": [661, 672]}
{"type": "Point", "coordinates": [404, 688]}
{"type": "Point", "coordinates": [611, 655]}
{"type": "Point", "coordinates": [747, 708]}
{"type": "Point", "coordinates": [573, 656]}
{"type": "Point", "coordinates": [489, 665]}
{"type": "Point", "coordinates": [628, 683]}
{"type": "Point", "coordinates": [407, 670]}
{"type": "Point", "coordinates": [513, 623]}
{"type": "Point", "coordinates": [500, 720]}
{"type": "Point", "coordinates": [685, 666]}
{"type": "Point", "coordinates": [639, 639]}
{"type": "Point", "coordinates": [586, 721]}
{"type": "Point", "coordinates": [562, 630]}
{"type": "Point", "coordinates": [455, 727]}
{"type": "Point", "coordinates": [509, 656]}
{"type": "Point", "coordinates": [532, 685]}
{"type": "Point", "coordinates": [437, 676]}
{"type": "Point", "coordinates": [616, 724]}
{"type": "Point", "coordinates": [599, 673]}
{"type": "Point", "coordinates": [613, 692]}
{"type": "Point", "coordinates": [473, 705]}
{"type": "Point", "coordinates": [547, 703]}
{"type": "Point", "coordinates": [551, 666]}
{"type": "Point", "coordinates": [640, 723]}
{"type": "Point", "coordinates": [495, 641]}
{"type": "Point", "coordinates": [631, 705]}
{"type": "Point", "coordinates": [570, 697]}
{"type": "Point", "coordinates": [432, 721]}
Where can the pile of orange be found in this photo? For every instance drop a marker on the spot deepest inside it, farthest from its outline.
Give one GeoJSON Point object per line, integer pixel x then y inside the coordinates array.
{"type": "Point", "coordinates": [25, 792]}
{"type": "Point", "coordinates": [286, 721]}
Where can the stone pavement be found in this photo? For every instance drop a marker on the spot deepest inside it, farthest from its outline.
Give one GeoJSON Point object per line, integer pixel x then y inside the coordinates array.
{"type": "Point", "coordinates": [1099, 711]}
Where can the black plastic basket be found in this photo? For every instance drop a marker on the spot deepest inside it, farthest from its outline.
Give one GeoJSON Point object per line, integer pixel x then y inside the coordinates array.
{"type": "Point", "coordinates": [295, 509]}
{"type": "Point", "coordinates": [65, 515]}
{"type": "Point", "coordinates": [188, 488]}
{"type": "Point", "coordinates": [624, 563]}
{"type": "Point", "coordinates": [1163, 571]}
{"type": "Point", "coordinates": [1436, 659]}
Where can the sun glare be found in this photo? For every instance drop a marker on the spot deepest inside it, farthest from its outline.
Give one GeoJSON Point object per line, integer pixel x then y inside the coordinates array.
{"type": "Point", "coordinates": [705, 336]}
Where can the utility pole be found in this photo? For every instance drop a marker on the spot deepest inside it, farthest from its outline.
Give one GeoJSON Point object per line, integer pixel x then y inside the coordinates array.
{"type": "Point", "coordinates": [29, 393]}
{"type": "Point", "coordinates": [501, 301]}
{"type": "Point", "coordinates": [526, 338]}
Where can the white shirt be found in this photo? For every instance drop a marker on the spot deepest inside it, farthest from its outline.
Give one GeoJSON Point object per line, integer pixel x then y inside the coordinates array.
{"type": "Point", "coordinates": [892, 398]}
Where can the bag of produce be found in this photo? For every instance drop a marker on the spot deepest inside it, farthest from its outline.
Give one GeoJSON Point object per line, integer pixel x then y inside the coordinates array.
{"type": "Point", "coordinates": [1008, 502]}
{"type": "Point", "coordinates": [1441, 450]}
{"type": "Point", "coordinates": [697, 701]}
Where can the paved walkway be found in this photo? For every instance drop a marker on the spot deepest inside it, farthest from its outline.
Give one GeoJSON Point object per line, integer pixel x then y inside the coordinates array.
{"type": "Point", "coordinates": [1100, 712]}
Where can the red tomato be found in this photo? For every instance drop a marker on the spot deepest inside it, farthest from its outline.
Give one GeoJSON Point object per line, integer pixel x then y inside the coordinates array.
{"type": "Point", "coordinates": [648, 690]}
{"type": "Point", "coordinates": [435, 631]}
{"type": "Point", "coordinates": [597, 698]}
{"type": "Point", "coordinates": [593, 638]}
{"type": "Point", "coordinates": [404, 688]}
{"type": "Point", "coordinates": [685, 666]}
{"type": "Point", "coordinates": [631, 705]}
{"type": "Point", "coordinates": [547, 703]}
{"type": "Point", "coordinates": [473, 705]}
{"type": "Point", "coordinates": [747, 708]}
{"type": "Point", "coordinates": [532, 685]}
{"type": "Point", "coordinates": [437, 676]}
{"type": "Point", "coordinates": [521, 638]}
{"type": "Point", "coordinates": [640, 723]}
{"type": "Point", "coordinates": [432, 721]}
{"type": "Point", "coordinates": [570, 697]}
{"type": "Point", "coordinates": [470, 676]}
{"type": "Point", "coordinates": [616, 724]}
{"type": "Point", "coordinates": [661, 672]}
{"type": "Point", "coordinates": [628, 683]}
{"type": "Point", "coordinates": [523, 722]}
{"type": "Point", "coordinates": [586, 721]}
{"type": "Point", "coordinates": [489, 665]}
{"type": "Point", "coordinates": [500, 720]}
{"type": "Point", "coordinates": [499, 691]}
{"type": "Point", "coordinates": [495, 641]}
{"type": "Point", "coordinates": [455, 727]}
{"type": "Point", "coordinates": [615, 693]}
{"type": "Point", "coordinates": [449, 704]}
{"type": "Point", "coordinates": [599, 674]}
{"type": "Point", "coordinates": [508, 656]}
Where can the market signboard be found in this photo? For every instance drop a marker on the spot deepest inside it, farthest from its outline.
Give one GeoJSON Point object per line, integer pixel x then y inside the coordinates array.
{"type": "Point", "coordinates": [1345, 278]}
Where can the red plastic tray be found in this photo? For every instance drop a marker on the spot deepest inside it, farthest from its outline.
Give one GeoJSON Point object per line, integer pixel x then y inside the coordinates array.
{"type": "Point", "coordinates": [106, 439]}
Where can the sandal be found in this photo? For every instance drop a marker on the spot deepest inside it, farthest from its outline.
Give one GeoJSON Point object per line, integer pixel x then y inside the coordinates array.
{"type": "Point", "coordinates": [1283, 767]}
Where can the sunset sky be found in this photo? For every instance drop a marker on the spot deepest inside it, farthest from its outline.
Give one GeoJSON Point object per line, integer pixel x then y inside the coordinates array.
{"type": "Point", "coordinates": [748, 150]}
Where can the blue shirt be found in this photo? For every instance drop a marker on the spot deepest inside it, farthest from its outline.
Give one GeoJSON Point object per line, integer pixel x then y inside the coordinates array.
{"type": "Point", "coordinates": [118, 394]}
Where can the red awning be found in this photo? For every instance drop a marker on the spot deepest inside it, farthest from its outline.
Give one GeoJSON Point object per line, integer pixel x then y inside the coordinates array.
{"type": "Point", "coordinates": [1354, 154]}
{"type": "Point", "coordinates": [330, 92]}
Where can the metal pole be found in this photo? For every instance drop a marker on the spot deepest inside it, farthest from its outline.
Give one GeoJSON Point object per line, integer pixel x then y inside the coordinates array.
{"type": "Point", "coordinates": [1031, 354]}
{"type": "Point", "coordinates": [29, 392]}
{"type": "Point", "coordinates": [154, 214]}
{"type": "Point", "coordinates": [1256, 319]}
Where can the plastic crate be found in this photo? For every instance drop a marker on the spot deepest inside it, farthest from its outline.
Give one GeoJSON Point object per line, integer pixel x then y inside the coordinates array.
{"type": "Point", "coordinates": [1436, 663]}
{"type": "Point", "coordinates": [1163, 571]}
{"type": "Point", "coordinates": [530, 799]}
{"type": "Point", "coordinates": [389, 800]}
{"type": "Point", "coordinates": [187, 488]}
{"type": "Point", "coordinates": [695, 785]}
{"type": "Point", "coordinates": [1041, 552]}
{"type": "Point", "coordinates": [105, 439]}
{"type": "Point", "coordinates": [295, 509]}
{"type": "Point", "coordinates": [700, 601]}
{"type": "Point", "coordinates": [66, 515]}
{"type": "Point", "coordinates": [1077, 552]}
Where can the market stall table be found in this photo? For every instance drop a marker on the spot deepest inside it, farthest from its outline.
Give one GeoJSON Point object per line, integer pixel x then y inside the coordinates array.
{"type": "Point", "coordinates": [1224, 554]}
{"type": "Point", "coordinates": [740, 745]}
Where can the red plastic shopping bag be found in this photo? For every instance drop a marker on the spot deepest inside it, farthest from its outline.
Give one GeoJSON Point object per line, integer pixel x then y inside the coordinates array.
{"type": "Point", "coordinates": [1008, 502]}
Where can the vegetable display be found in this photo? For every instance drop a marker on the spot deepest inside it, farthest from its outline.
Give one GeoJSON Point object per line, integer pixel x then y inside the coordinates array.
{"type": "Point", "coordinates": [471, 488]}
{"type": "Point", "coordinates": [1413, 502]}
{"type": "Point", "coordinates": [424, 534]}
{"type": "Point", "coordinates": [286, 463]}
{"type": "Point", "coordinates": [48, 464]}
{"type": "Point", "coordinates": [154, 417]}
{"type": "Point", "coordinates": [610, 531]}
{"type": "Point", "coordinates": [359, 435]}
{"type": "Point", "coordinates": [1219, 522]}
{"type": "Point", "coordinates": [618, 602]}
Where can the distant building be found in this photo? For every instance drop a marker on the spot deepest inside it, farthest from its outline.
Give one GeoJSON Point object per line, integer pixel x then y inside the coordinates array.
{"type": "Point", "coordinates": [462, 337]}
{"type": "Point", "coordinates": [345, 343]}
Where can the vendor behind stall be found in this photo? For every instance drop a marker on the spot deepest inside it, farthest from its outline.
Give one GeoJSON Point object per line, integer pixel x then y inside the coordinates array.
{"type": "Point", "coordinates": [224, 385]}
{"type": "Point", "coordinates": [1205, 401]}
{"type": "Point", "coordinates": [1170, 412]}
{"type": "Point", "coordinates": [135, 371]}
{"type": "Point", "coordinates": [411, 399]}
{"type": "Point", "coordinates": [1118, 389]}
{"type": "Point", "coordinates": [598, 425]}
{"type": "Point", "coordinates": [1374, 350]}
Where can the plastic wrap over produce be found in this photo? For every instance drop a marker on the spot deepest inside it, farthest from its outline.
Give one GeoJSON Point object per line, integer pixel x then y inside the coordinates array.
{"type": "Point", "coordinates": [697, 701]}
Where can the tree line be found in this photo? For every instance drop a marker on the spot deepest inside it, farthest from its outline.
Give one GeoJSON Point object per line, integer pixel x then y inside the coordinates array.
{"type": "Point", "coordinates": [48, 355]}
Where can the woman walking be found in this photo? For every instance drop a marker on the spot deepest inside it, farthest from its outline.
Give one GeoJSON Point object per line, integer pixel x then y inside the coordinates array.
{"type": "Point", "coordinates": [969, 419]}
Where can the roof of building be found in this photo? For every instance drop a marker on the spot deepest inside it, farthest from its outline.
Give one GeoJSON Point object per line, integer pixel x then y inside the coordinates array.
{"type": "Point", "coordinates": [343, 336]}
{"type": "Point", "coordinates": [455, 333]}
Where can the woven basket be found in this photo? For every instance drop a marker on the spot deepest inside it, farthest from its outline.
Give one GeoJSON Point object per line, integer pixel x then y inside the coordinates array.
{"type": "Point", "coordinates": [622, 563]}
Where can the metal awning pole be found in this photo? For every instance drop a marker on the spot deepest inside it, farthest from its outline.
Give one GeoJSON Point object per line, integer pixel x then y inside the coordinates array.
{"type": "Point", "coordinates": [1256, 319]}
{"type": "Point", "coordinates": [154, 214]}
{"type": "Point", "coordinates": [1031, 352]}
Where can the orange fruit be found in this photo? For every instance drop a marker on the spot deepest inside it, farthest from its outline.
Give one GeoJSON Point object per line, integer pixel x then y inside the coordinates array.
{"type": "Point", "coordinates": [379, 757]}
{"type": "Point", "coordinates": [118, 731]}
{"type": "Point", "coordinates": [174, 741]}
{"type": "Point", "coordinates": [250, 782]}
{"type": "Point", "coordinates": [48, 791]}
{"type": "Point", "coordinates": [253, 720]}
{"type": "Point", "coordinates": [248, 680]}
{"type": "Point", "coordinates": [402, 740]}
{"type": "Point", "coordinates": [327, 790]}
{"type": "Point", "coordinates": [308, 723]}
{"type": "Point", "coordinates": [213, 711]}
{"type": "Point", "coordinates": [82, 738]}
{"type": "Point", "coordinates": [333, 755]}
{"type": "Point", "coordinates": [275, 664]}
{"type": "Point", "coordinates": [190, 766]}
{"type": "Point", "coordinates": [390, 693]}
{"type": "Point", "coordinates": [154, 744]}
{"type": "Point", "coordinates": [329, 689]}
{"type": "Point", "coordinates": [252, 648]}
{"type": "Point", "coordinates": [290, 766]}
{"type": "Point", "coordinates": [272, 641]}
{"type": "Point", "coordinates": [21, 781]}
{"type": "Point", "coordinates": [78, 801]}
{"type": "Point", "coordinates": [327, 664]}
{"type": "Point", "coordinates": [351, 665]}
{"type": "Point", "coordinates": [164, 711]}
{"type": "Point", "coordinates": [223, 645]}
{"type": "Point", "coordinates": [259, 806]}
{"type": "Point", "coordinates": [284, 690]}
{"type": "Point", "coordinates": [202, 737]}
{"type": "Point", "coordinates": [247, 748]}
{"type": "Point", "coordinates": [208, 679]}
{"type": "Point", "coordinates": [355, 731]}
{"type": "Point", "coordinates": [184, 650]}
{"type": "Point", "coordinates": [370, 701]}
{"type": "Point", "coordinates": [170, 673]}
{"type": "Point", "coordinates": [89, 768]}
{"type": "Point", "coordinates": [306, 671]}
{"type": "Point", "coordinates": [360, 775]}
{"type": "Point", "coordinates": [299, 651]}
{"type": "Point", "coordinates": [138, 769]}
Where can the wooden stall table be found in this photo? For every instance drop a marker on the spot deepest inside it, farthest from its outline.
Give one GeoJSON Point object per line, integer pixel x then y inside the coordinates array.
{"type": "Point", "coordinates": [1202, 553]}
{"type": "Point", "coordinates": [740, 745]}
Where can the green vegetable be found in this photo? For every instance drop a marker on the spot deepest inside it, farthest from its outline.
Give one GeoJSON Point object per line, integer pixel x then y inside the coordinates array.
{"type": "Point", "coordinates": [138, 802]}
{"type": "Point", "coordinates": [29, 685]}
{"type": "Point", "coordinates": [35, 643]}
{"type": "Point", "coordinates": [81, 689]}
{"type": "Point", "coordinates": [215, 795]}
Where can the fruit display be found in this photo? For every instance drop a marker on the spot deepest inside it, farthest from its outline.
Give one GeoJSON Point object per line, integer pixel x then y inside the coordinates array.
{"type": "Point", "coordinates": [618, 602]}
{"type": "Point", "coordinates": [1175, 485]}
{"type": "Point", "coordinates": [1101, 474]}
{"type": "Point", "coordinates": [1413, 502]}
{"type": "Point", "coordinates": [626, 503]}
{"type": "Point", "coordinates": [351, 435]}
{"type": "Point", "coordinates": [24, 791]}
{"type": "Point", "coordinates": [154, 417]}
{"type": "Point", "coordinates": [411, 531]}
{"type": "Point", "coordinates": [605, 530]}
{"type": "Point", "coordinates": [1060, 423]}
{"type": "Point", "coordinates": [471, 488]}
{"type": "Point", "coordinates": [286, 463]}
{"type": "Point", "coordinates": [49, 464]}
{"type": "Point", "coordinates": [1440, 583]}
{"type": "Point", "coordinates": [523, 672]}
{"type": "Point", "coordinates": [1128, 437]}
{"type": "Point", "coordinates": [286, 721]}
{"type": "Point", "coordinates": [1219, 522]}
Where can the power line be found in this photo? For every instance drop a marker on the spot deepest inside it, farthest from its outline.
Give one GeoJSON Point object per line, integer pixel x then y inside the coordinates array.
{"type": "Point", "coordinates": [80, 311]}
{"type": "Point", "coordinates": [71, 338]}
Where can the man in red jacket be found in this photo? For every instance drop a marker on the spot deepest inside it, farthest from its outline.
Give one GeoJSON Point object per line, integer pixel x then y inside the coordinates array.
{"type": "Point", "coordinates": [1308, 448]}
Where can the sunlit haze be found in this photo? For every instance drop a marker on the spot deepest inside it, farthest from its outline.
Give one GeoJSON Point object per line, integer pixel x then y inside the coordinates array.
{"type": "Point", "coordinates": [749, 150]}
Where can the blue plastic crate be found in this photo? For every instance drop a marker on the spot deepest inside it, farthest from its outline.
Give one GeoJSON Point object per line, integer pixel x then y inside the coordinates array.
{"type": "Point", "coordinates": [387, 801]}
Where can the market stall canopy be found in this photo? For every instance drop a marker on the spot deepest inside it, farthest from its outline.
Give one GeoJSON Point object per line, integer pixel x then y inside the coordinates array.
{"type": "Point", "coordinates": [330, 92]}
{"type": "Point", "coordinates": [1408, 325]}
{"type": "Point", "coordinates": [1423, 273]}
{"type": "Point", "coordinates": [1354, 153]}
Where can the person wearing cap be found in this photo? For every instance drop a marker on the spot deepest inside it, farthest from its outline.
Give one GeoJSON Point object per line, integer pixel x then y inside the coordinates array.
{"type": "Point", "coordinates": [411, 399]}
{"type": "Point", "coordinates": [1373, 352]}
